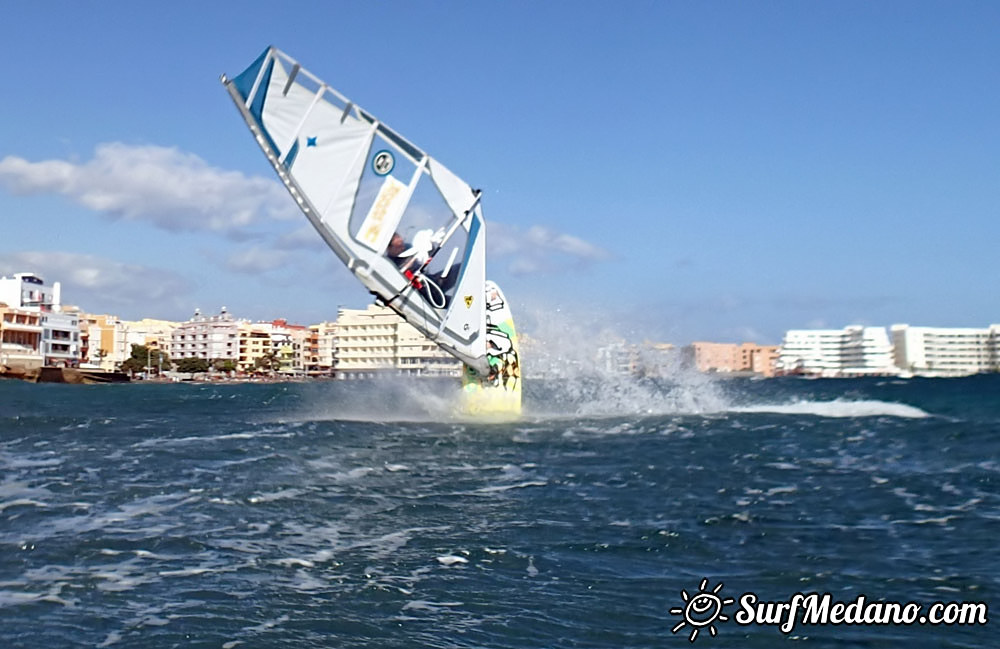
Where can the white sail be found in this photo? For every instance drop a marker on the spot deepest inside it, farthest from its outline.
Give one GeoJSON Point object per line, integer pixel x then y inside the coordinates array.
{"type": "Point", "coordinates": [359, 184]}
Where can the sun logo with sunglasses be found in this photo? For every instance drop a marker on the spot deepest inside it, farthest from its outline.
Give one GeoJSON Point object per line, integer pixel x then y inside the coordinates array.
{"type": "Point", "coordinates": [702, 610]}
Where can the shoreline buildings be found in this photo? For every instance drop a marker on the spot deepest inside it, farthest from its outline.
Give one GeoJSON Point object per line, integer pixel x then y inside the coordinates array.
{"type": "Point", "coordinates": [37, 330]}
{"type": "Point", "coordinates": [910, 351]}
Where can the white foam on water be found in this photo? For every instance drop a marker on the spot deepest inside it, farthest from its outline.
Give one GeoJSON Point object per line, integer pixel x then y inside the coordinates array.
{"type": "Point", "coordinates": [295, 562]}
{"type": "Point", "coordinates": [837, 408]}
{"type": "Point", "coordinates": [277, 495]}
{"type": "Point", "coordinates": [16, 598]}
{"type": "Point", "coordinates": [159, 442]}
{"type": "Point", "coordinates": [10, 461]}
{"type": "Point", "coordinates": [307, 583]}
{"type": "Point", "coordinates": [21, 502]}
{"type": "Point", "coordinates": [268, 624]}
{"type": "Point", "coordinates": [508, 487]}
{"type": "Point", "coordinates": [188, 572]}
{"type": "Point", "coordinates": [120, 579]}
{"type": "Point", "coordinates": [430, 607]}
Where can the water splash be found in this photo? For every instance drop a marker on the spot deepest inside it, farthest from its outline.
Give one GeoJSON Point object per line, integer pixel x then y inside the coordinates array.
{"type": "Point", "coordinates": [576, 369]}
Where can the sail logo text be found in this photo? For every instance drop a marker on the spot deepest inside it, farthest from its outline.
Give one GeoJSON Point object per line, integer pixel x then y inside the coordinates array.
{"type": "Point", "coordinates": [817, 609]}
{"type": "Point", "coordinates": [371, 229]}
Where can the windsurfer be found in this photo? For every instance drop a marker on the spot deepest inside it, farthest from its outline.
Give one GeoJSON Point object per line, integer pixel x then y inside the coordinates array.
{"type": "Point", "coordinates": [411, 258]}
{"type": "Point", "coordinates": [395, 252]}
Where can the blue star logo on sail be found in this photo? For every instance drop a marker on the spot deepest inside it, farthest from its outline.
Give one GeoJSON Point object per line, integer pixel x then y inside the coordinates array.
{"type": "Point", "coordinates": [310, 141]}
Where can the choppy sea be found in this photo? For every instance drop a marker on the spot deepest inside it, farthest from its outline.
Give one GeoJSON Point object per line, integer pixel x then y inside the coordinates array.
{"type": "Point", "coordinates": [361, 514]}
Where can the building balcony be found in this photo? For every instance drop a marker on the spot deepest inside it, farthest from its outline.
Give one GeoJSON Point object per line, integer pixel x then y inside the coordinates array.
{"type": "Point", "coordinates": [17, 348]}
{"type": "Point", "coordinates": [20, 326]}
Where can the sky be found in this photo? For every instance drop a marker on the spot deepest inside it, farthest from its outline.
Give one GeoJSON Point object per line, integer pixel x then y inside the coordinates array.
{"type": "Point", "coordinates": [673, 171]}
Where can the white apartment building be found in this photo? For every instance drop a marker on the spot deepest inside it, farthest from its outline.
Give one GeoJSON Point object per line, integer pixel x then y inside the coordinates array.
{"type": "Point", "coordinates": [418, 356]}
{"type": "Point", "coordinates": [215, 337]}
{"type": "Point", "coordinates": [28, 290]}
{"type": "Point", "coordinates": [60, 338]}
{"type": "Point", "coordinates": [149, 332]}
{"type": "Point", "coordinates": [60, 342]}
{"type": "Point", "coordinates": [376, 339]}
{"type": "Point", "coordinates": [936, 351]}
{"type": "Point", "coordinates": [852, 351]}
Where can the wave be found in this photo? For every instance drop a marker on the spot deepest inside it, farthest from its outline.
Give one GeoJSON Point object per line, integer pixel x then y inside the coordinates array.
{"type": "Point", "coordinates": [838, 408]}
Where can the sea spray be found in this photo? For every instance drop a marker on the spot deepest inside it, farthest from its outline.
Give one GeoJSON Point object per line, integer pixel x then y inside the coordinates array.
{"type": "Point", "coordinates": [576, 367]}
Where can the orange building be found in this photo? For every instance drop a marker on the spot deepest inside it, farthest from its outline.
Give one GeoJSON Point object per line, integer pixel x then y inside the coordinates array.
{"type": "Point", "coordinates": [730, 357]}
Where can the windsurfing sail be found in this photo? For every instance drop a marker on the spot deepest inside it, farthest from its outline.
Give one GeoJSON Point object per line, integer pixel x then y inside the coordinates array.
{"type": "Point", "coordinates": [408, 228]}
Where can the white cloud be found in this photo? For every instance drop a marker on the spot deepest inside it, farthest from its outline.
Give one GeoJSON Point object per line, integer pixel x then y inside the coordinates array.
{"type": "Point", "coordinates": [302, 238]}
{"type": "Point", "coordinates": [166, 187]}
{"type": "Point", "coordinates": [540, 249]}
{"type": "Point", "coordinates": [100, 285]}
{"type": "Point", "coordinates": [256, 260]}
{"type": "Point", "coordinates": [178, 191]}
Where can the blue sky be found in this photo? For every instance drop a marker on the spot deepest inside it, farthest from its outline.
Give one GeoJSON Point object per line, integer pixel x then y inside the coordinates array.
{"type": "Point", "coordinates": [677, 171]}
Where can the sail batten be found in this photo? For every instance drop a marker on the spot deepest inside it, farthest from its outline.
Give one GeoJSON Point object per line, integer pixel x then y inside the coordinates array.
{"type": "Point", "coordinates": [366, 190]}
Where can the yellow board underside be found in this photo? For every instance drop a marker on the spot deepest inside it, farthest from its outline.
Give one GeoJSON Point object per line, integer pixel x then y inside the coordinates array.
{"type": "Point", "coordinates": [499, 395]}
{"type": "Point", "coordinates": [490, 401]}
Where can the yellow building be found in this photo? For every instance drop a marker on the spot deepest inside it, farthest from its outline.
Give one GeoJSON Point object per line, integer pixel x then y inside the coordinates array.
{"type": "Point", "coordinates": [255, 346]}
{"type": "Point", "coordinates": [109, 339]}
{"type": "Point", "coordinates": [273, 347]}
{"type": "Point", "coordinates": [106, 341]}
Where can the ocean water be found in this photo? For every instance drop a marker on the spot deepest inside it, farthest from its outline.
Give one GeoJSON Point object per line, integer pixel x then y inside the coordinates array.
{"type": "Point", "coordinates": [347, 514]}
